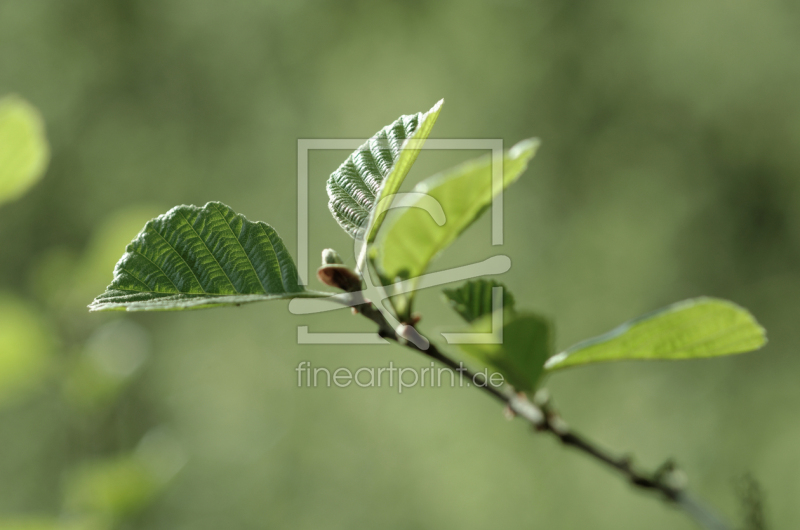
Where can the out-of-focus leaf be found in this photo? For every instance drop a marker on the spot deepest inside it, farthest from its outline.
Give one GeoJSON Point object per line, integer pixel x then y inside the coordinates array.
{"type": "Point", "coordinates": [412, 238]}
{"type": "Point", "coordinates": [161, 452]}
{"type": "Point", "coordinates": [24, 151]}
{"type": "Point", "coordinates": [121, 486]}
{"type": "Point", "coordinates": [375, 171]}
{"type": "Point", "coordinates": [26, 347]}
{"type": "Point", "coordinates": [696, 328]}
{"type": "Point", "coordinates": [113, 353]}
{"type": "Point", "coordinates": [117, 487]}
{"type": "Point", "coordinates": [526, 345]}
{"type": "Point", "coordinates": [474, 299]}
{"type": "Point", "coordinates": [192, 257]}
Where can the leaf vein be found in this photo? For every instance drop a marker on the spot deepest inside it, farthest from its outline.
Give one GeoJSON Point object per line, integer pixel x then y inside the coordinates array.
{"type": "Point", "coordinates": [244, 221]}
{"type": "Point", "coordinates": [182, 259]}
{"type": "Point", "coordinates": [209, 251]}
{"type": "Point", "coordinates": [135, 251]}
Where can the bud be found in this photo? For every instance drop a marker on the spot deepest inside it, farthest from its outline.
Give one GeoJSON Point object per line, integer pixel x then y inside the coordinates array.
{"type": "Point", "coordinates": [331, 257]}
{"type": "Point", "coordinates": [339, 276]}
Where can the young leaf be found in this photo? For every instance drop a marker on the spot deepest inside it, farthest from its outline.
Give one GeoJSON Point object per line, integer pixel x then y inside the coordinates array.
{"type": "Point", "coordinates": [474, 299]}
{"type": "Point", "coordinates": [24, 151]}
{"type": "Point", "coordinates": [191, 258]}
{"type": "Point", "coordinates": [406, 246]}
{"type": "Point", "coordinates": [521, 356]}
{"type": "Point", "coordinates": [375, 171]}
{"type": "Point", "coordinates": [701, 327]}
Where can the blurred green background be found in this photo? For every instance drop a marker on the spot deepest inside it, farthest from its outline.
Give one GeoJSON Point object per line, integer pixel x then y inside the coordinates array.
{"type": "Point", "coordinates": [669, 169]}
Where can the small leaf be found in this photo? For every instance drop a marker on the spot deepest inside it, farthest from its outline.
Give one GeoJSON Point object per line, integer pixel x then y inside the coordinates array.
{"type": "Point", "coordinates": [526, 344]}
{"type": "Point", "coordinates": [191, 258]}
{"type": "Point", "coordinates": [413, 238]}
{"type": "Point", "coordinates": [375, 171]}
{"type": "Point", "coordinates": [474, 299]}
{"type": "Point", "coordinates": [696, 328]}
{"type": "Point", "coordinates": [24, 151]}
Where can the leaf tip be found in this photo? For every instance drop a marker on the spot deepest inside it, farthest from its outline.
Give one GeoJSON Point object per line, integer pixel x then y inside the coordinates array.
{"type": "Point", "coordinates": [525, 149]}
{"type": "Point", "coordinates": [553, 361]}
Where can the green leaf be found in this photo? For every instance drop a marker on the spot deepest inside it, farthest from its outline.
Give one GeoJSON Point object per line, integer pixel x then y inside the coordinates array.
{"type": "Point", "coordinates": [373, 173]}
{"type": "Point", "coordinates": [191, 258]}
{"type": "Point", "coordinates": [692, 329]}
{"type": "Point", "coordinates": [526, 345]}
{"type": "Point", "coordinates": [413, 238]}
{"type": "Point", "coordinates": [474, 299]}
{"type": "Point", "coordinates": [24, 151]}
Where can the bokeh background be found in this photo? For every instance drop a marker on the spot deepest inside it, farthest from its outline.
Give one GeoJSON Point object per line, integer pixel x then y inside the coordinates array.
{"type": "Point", "coordinates": [669, 169]}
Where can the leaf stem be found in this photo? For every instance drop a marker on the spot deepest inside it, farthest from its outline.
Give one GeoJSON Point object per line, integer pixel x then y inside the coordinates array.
{"type": "Point", "coordinates": [666, 480]}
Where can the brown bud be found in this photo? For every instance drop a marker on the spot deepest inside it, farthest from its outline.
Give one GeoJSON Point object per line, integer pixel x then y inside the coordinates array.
{"type": "Point", "coordinates": [339, 276]}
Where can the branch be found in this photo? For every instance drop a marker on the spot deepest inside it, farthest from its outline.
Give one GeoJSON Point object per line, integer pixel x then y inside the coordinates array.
{"type": "Point", "coordinates": [666, 481]}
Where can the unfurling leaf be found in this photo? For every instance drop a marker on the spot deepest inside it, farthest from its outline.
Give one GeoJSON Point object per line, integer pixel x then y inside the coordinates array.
{"type": "Point", "coordinates": [526, 345]}
{"type": "Point", "coordinates": [192, 257]}
{"type": "Point", "coordinates": [375, 171]}
{"type": "Point", "coordinates": [474, 299]}
{"type": "Point", "coordinates": [696, 328]}
{"type": "Point", "coordinates": [24, 151]}
{"type": "Point", "coordinates": [414, 237]}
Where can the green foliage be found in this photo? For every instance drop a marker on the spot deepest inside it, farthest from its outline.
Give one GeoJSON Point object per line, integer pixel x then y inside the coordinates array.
{"type": "Point", "coordinates": [671, 159]}
{"type": "Point", "coordinates": [26, 349]}
{"type": "Point", "coordinates": [474, 299]}
{"type": "Point", "coordinates": [524, 342]}
{"type": "Point", "coordinates": [196, 257]}
{"type": "Point", "coordinates": [24, 151]}
{"type": "Point", "coordinates": [413, 238]}
{"type": "Point", "coordinates": [526, 345]}
{"type": "Point", "coordinates": [692, 329]}
{"type": "Point", "coordinates": [360, 188]}
{"type": "Point", "coordinates": [116, 487]}
{"type": "Point", "coordinates": [191, 258]}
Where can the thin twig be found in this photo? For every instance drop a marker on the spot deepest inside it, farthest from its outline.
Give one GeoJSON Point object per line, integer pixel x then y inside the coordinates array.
{"type": "Point", "coordinates": [666, 481]}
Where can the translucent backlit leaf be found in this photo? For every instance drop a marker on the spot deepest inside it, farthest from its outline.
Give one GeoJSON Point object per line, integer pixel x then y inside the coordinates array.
{"type": "Point", "coordinates": [696, 328]}
{"type": "Point", "coordinates": [410, 240]}
{"type": "Point", "coordinates": [474, 299]}
{"type": "Point", "coordinates": [375, 171]}
{"type": "Point", "coordinates": [526, 344]}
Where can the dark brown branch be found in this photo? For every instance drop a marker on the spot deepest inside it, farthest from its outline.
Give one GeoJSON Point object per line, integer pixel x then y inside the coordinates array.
{"type": "Point", "coordinates": [666, 481]}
